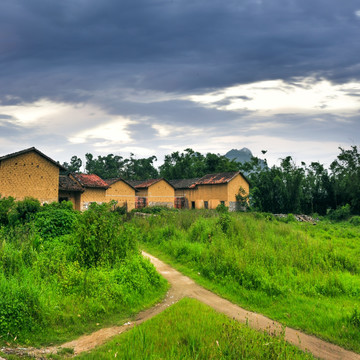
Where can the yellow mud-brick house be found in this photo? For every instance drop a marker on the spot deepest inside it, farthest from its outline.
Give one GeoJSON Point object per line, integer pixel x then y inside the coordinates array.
{"type": "Point", "coordinates": [29, 173]}
{"type": "Point", "coordinates": [214, 189]}
{"type": "Point", "coordinates": [153, 192]}
{"type": "Point", "coordinates": [122, 192]}
{"type": "Point", "coordinates": [182, 190]}
{"type": "Point", "coordinates": [70, 190]}
{"type": "Point", "coordinates": [94, 189]}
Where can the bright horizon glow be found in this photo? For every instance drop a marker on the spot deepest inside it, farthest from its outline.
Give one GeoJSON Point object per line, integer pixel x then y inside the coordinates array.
{"type": "Point", "coordinates": [272, 97]}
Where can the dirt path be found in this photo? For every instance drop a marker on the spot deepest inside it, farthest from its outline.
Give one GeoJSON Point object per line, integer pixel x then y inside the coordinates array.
{"type": "Point", "coordinates": [182, 286]}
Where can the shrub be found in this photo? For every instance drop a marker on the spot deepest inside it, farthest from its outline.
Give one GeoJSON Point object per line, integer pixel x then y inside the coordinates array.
{"type": "Point", "coordinates": [221, 209]}
{"type": "Point", "coordinates": [120, 210]}
{"type": "Point", "coordinates": [355, 318]}
{"type": "Point", "coordinates": [341, 213]}
{"type": "Point", "coordinates": [20, 308]}
{"type": "Point", "coordinates": [288, 219]}
{"type": "Point", "coordinates": [64, 205]}
{"type": "Point", "coordinates": [101, 238]}
{"type": "Point", "coordinates": [24, 211]}
{"type": "Point", "coordinates": [355, 220]}
{"type": "Point", "coordinates": [53, 222]}
{"type": "Point", "coordinates": [153, 209]}
{"type": "Point", "coordinates": [224, 221]}
{"type": "Point", "coordinates": [6, 204]}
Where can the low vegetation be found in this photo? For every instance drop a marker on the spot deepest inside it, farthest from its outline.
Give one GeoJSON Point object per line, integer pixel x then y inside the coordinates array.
{"type": "Point", "coordinates": [305, 276]}
{"type": "Point", "coordinates": [191, 330]}
{"type": "Point", "coordinates": [63, 273]}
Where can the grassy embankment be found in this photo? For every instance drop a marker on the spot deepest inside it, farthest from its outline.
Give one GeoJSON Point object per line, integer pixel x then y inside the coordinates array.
{"type": "Point", "coordinates": [305, 276]}
{"type": "Point", "coordinates": [191, 330]}
{"type": "Point", "coordinates": [63, 273]}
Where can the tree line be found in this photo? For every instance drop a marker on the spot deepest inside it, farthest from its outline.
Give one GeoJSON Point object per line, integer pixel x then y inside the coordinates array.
{"type": "Point", "coordinates": [284, 188]}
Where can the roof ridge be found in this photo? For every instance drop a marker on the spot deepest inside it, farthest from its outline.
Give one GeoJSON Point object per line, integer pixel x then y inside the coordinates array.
{"type": "Point", "coordinates": [33, 148]}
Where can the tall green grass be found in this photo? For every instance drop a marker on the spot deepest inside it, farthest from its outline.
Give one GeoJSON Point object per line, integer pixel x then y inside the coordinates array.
{"type": "Point", "coordinates": [192, 330]}
{"type": "Point", "coordinates": [305, 276]}
{"type": "Point", "coordinates": [64, 273]}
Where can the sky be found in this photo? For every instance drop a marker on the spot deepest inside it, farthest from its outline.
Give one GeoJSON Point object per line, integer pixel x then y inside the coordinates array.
{"type": "Point", "coordinates": [151, 77]}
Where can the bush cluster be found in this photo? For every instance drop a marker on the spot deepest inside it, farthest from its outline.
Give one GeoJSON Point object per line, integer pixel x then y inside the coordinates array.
{"type": "Point", "coordinates": [62, 271]}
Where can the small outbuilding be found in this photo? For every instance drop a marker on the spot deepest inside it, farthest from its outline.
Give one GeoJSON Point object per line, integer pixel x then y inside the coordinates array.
{"type": "Point", "coordinates": [94, 189]}
{"type": "Point", "coordinates": [70, 190]}
{"type": "Point", "coordinates": [153, 192]}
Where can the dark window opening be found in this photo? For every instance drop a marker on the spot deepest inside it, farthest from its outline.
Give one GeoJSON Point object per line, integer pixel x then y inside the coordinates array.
{"type": "Point", "coordinates": [206, 205]}
{"type": "Point", "coordinates": [193, 204]}
{"type": "Point", "coordinates": [179, 203]}
{"type": "Point", "coordinates": [222, 202]}
{"type": "Point", "coordinates": [140, 202]}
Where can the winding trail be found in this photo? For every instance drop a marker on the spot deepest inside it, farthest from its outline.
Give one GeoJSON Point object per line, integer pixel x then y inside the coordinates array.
{"type": "Point", "coordinates": [182, 286]}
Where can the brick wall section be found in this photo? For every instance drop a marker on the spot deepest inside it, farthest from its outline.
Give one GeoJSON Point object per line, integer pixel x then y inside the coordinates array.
{"type": "Point", "coordinates": [122, 193]}
{"type": "Point", "coordinates": [31, 175]}
{"type": "Point", "coordinates": [213, 194]}
{"type": "Point", "coordinates": [92, 195]}
{"type": "Point", "coordinates": [162, 194]}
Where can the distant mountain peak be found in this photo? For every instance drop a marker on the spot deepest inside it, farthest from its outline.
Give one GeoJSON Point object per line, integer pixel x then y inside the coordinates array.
{"type": "Point", "coordinates": [243, 155]}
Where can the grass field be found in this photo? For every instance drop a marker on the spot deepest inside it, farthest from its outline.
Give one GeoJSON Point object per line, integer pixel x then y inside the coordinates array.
{"type": "Point", "coordinates": [63, 274]}
{"type": "Point", "coordinates": [191, 330]}
{"type": "Point", "coordinates": [305, 276]}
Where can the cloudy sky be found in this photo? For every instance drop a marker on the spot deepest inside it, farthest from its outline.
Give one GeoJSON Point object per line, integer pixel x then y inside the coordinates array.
{"type": "Point", "coordinates": [156, 76]}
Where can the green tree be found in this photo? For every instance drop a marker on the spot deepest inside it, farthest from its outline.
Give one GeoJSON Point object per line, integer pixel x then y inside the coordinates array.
{"type": "Point", "coordinates": [109, 166]}
{"type": "Point", "coordinates": [140, 169]}
{"type": "Point", "coordinates": [186, 165]}
{"type": "Point", "coordinates": [346, 177]}
{"type": "Point", "coordinates": [318, 190]}
{"type": "Point", "coordinates": [75, 164]}
{"type": "Point", "coordinates": [190, 164]}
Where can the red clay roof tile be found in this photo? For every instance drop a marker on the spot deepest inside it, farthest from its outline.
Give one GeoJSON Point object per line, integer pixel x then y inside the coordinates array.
{"type": "Point", "coordinates": [213, 179]}
{"type": "Point", "coordinates": [68, 184]}
{"type": "Point", "coordinates": [91, 181]}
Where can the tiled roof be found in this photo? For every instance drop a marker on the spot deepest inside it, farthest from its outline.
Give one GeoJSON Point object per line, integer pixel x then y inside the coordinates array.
{"type": "Point", "coordinates": [68, 184]}
{"type": "Point", "coordinates": [9, 156]}
{"type": "Point", "coordinates": [183, 183]}
{"type": "Point", "coordinates": [90, 181]}
{"type": "Point", "coordinates": [213, 179]}
{"type": "Point", "coordinates": [144, 184]}
{"type": "Point", "coordinates": [114, 180]}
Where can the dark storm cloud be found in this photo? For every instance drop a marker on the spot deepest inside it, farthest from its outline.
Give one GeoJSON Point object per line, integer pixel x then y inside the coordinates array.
{"type": "Point", "coordinates": [54, 49]}
{"type": "Point", "coordinates": [173, 112]}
